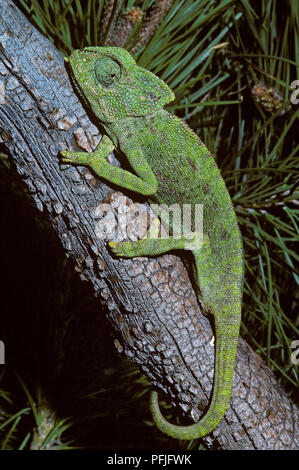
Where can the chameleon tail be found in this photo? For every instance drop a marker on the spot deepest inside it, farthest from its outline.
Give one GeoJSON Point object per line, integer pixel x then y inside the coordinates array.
{"type": "Point", "coordinates": [226, 346]}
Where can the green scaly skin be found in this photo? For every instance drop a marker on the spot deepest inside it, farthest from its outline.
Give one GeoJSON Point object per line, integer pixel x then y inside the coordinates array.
{"type": "Point", "coordinates": [171, 165]}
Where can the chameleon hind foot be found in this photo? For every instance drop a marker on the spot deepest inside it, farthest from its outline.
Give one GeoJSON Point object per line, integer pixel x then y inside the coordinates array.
{"type": "Point", "coordinates": [154, 246]}
{"type": "Point", "coordinates": [131, 249]}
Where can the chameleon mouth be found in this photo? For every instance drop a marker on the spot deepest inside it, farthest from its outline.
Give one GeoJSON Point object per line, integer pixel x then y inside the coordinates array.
{"type": "Point", "coordinates": [75, 83]}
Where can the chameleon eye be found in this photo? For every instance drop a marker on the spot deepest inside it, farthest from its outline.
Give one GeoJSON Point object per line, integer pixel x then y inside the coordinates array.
{"type": "Point", "coordinates": [107, 71]}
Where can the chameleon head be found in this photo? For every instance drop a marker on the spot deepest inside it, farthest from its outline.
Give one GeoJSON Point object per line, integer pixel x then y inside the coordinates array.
{"type": "Point", "coordinates": [114, 85]}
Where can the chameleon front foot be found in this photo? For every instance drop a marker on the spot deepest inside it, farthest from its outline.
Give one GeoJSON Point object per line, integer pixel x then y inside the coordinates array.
{"type": "Point", "coordinates": [105, 147]}
{"type": "Point", "coordinates": [70, 157]}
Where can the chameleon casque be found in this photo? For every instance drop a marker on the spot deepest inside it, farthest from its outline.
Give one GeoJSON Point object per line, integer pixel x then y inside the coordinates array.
{"type": "Point", "coordinates": [170, 165]}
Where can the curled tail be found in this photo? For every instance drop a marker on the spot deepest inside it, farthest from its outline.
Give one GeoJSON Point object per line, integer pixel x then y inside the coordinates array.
{"type": "Point", "coordinates": [227, 332]}
{"type": "Point", "coordinates": [223, 297]}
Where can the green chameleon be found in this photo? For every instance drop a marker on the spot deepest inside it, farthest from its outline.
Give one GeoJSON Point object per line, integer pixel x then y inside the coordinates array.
{"type": "Point", "coordinates": [171, 165]}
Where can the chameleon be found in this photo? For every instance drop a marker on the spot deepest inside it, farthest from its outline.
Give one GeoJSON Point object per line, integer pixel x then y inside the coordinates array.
{"type": "Point", "coordinates": [170, 164]}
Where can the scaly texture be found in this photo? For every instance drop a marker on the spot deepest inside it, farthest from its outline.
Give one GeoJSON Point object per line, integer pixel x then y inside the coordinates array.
{"type": "Point", "coordinates": [172, 166]}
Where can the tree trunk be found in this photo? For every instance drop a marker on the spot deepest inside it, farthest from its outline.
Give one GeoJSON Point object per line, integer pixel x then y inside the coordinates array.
{"type": "Point", "coordinates": [151, 305]}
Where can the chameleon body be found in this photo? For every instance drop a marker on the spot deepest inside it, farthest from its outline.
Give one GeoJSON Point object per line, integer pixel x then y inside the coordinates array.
{"type": "Point", "coordinates": [170, 165]}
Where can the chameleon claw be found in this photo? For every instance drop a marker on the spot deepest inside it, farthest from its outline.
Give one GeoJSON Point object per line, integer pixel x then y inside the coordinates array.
{"type": "Point", "coordinates": [66, 156]}
{"type": "Point", "coordinates": [83, 158]}
{"type": "Point", "coordinates": [122, 249]}
{"type": "Point", "coordinates": [116, 248]}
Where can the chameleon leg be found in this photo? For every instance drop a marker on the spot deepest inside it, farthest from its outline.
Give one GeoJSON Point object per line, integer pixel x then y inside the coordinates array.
{"type": "Point", "coordinates": [145, 183]}
{"type": "Point", "coordinates": [152, 247]}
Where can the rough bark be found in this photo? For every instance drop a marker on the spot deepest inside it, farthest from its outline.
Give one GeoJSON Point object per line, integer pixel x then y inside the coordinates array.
{"type": "Point", "coordinates": [151, 305]}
